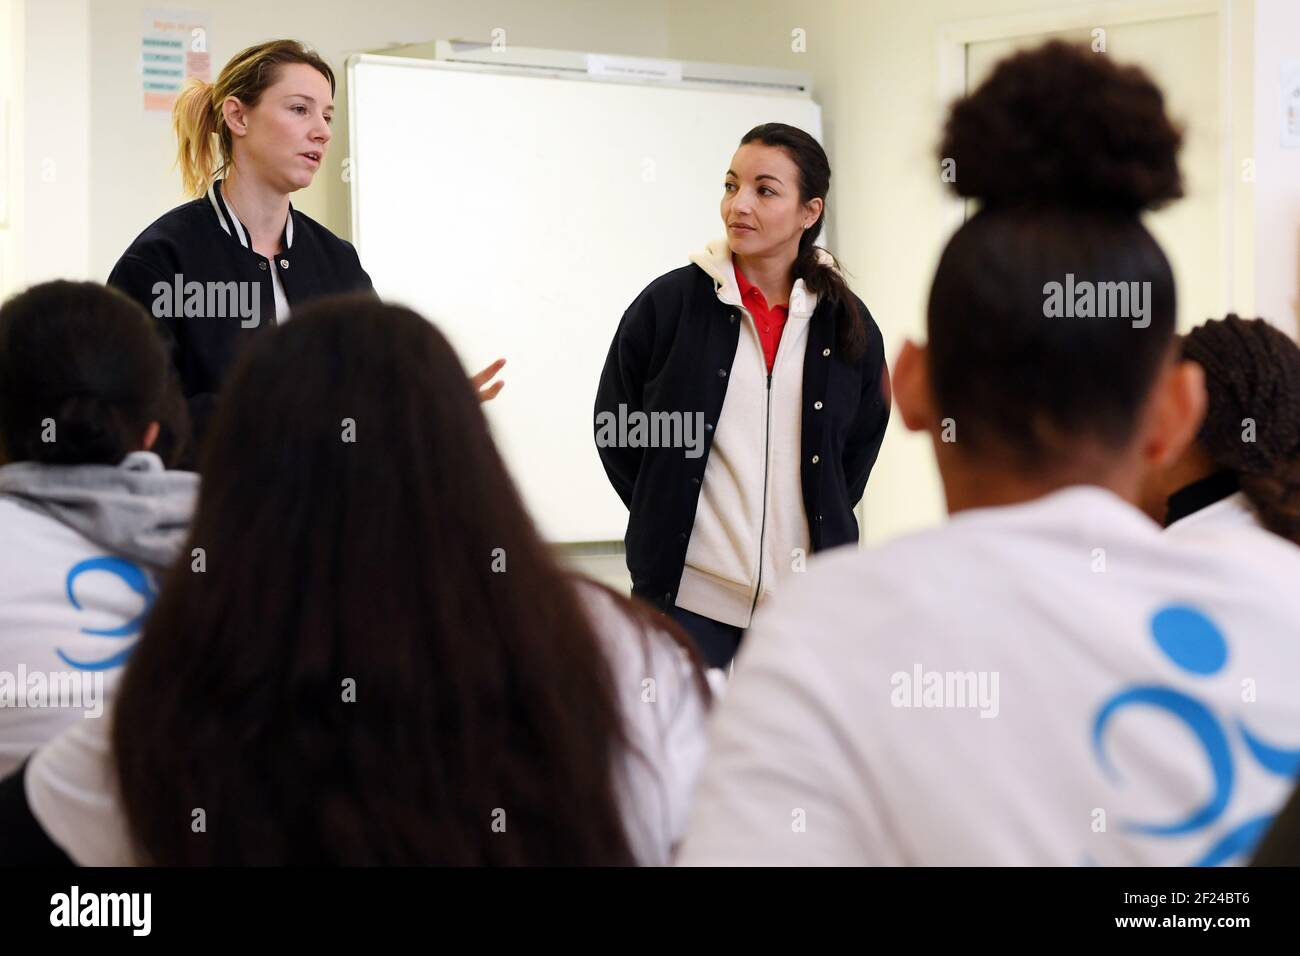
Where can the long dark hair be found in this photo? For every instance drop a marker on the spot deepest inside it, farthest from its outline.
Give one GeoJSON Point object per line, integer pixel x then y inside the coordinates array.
{"type": "Point", "coordinates": [1063, 149]}
{"type": "Point", "coordinates": [1252, 372]}
{"type": "Point", "coordinates": [86, 361]}
{"type": "Point", "coordinates": [819, 277]}
{"type": "Point", "coordinates": [361, 537]}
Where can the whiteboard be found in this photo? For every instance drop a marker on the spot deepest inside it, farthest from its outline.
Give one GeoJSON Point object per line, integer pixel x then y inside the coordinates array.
{"type": "Point", "coordinates": [522, 214]}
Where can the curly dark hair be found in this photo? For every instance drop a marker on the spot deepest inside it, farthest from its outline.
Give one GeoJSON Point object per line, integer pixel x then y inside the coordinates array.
{"type": "Point", "coordinates": [1063, 148]}
{"type": "Point", "coordinates": [1065, 125]}
{"type": "Point", "coordinates": [1252, 377]}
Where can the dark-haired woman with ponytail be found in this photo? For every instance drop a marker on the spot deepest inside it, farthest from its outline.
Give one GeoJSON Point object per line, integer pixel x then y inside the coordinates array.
{"type": "Point", "coordinates": [1244, 466]}
{"type": "Point", "coordinates": [760, 342]}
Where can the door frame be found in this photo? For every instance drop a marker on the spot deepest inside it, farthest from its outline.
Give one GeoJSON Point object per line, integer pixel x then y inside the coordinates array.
{"type": "Point", "coordinates": [954, 36]}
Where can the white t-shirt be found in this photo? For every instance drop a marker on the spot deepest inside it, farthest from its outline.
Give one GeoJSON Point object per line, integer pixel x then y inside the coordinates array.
{"type": "Point", "coordinates": [281, 300]}
{"type": "Point", "coordinates": [1131, 698]}
{"type": "Point", "coordinates": [71, 784]}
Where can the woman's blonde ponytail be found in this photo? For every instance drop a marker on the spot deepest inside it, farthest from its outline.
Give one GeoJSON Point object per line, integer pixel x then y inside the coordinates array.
{"type": "Point", "coordinates": [194, 117]}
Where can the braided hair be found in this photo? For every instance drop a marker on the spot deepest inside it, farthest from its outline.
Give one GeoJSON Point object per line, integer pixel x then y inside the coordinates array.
{"type": "Point", "coordinates": [1252, 421]}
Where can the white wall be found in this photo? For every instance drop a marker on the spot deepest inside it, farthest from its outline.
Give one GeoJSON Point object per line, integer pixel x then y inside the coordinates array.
{"type": "Point", "coordinates": [11, 101]}
{"type": "Point", "coordinates": [55, 142]}
{"type": "Point", "coordinates": [1277, 170]}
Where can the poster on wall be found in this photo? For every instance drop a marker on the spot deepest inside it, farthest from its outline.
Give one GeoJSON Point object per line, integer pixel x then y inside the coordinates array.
{"type": "Point", "coordinates": [173, 48]}
{"type": "Point", "coordinates": [1291, 104]}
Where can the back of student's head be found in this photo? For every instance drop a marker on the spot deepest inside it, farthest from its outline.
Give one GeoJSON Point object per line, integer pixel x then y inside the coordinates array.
{"type": "Point", "coordinates": [83, 373]}
{"type": "Point", "coordinates": [1252, 420]}
{"type": "Point", "coordinates": [1061, 149]}
{"type": "Point", "coordinates": [368, 656]}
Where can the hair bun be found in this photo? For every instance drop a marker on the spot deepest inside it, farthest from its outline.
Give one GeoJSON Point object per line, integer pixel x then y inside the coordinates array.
{"type": "Point", "coordinates": [1064, 125]}
{"type": "Point", "coordinates": [87, 428]}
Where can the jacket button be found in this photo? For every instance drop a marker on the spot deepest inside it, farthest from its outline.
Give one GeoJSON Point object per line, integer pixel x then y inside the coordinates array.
{"type": "Point", "coordinates": [262, 265]}
{"type": "Point", "coordinates": [668, 596]}
{"type": "Point", "coordinates": [734, 317]}
{"type": "Point", "coordinates": [826, 353]}
{"type": "Point", "coordinates": [284, 263]}
{"type": "Point", "coordinates": [817, 405]}
{"type": "Point", "coordinates": [695, 482]}
{"type": "Point", "coordinates": [819, 517]}
{"type": "Point", "coordinates": [708, 426]}
{"type": "Point", "coordinates": [816, 458]}
{"type": "Point", "coordinates": [722, 373]}
{"type": "Point", "coordinates": [681, 536]}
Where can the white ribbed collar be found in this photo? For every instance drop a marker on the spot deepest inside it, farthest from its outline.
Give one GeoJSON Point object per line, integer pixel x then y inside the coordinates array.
{"type": "Point", "coordinates": [231, 224]}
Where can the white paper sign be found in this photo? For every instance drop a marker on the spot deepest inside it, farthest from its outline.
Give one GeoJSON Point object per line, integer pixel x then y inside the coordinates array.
{"type": "Point", "coordinates": [634, 68]}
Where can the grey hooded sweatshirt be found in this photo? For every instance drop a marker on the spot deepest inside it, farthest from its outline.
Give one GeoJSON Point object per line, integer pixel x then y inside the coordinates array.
{"type": "Point", "coordinates": [82, 550]}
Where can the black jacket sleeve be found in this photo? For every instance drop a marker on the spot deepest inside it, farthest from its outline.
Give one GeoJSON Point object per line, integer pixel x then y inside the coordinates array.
{"type": "Point", "coordinates": [868, 430]}
{"type": "Point", "coordinates": [136, 277]}
{"type": "Point", "coordinates": [364, 285]}
{"type": "Point", "coordinates": [621, 383]}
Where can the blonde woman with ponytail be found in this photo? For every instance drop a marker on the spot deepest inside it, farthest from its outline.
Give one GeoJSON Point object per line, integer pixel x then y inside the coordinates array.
{"type": "Point", "coordinates": [244, 144]}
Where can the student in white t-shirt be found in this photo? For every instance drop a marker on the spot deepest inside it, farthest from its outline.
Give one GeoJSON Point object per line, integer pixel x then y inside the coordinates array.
{"type": "Point", "coordinates": [1244, 466]}
{"type": "Point", "coordinates": [368, 655]}
{"type": "Point", "coordinates": [89, 517]}
{"type": "Point", "coordinates": [1048, 678]}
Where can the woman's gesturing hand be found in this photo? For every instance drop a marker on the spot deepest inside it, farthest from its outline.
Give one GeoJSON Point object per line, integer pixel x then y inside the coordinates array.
{"type": "Point", "coordinates": [480, 380]}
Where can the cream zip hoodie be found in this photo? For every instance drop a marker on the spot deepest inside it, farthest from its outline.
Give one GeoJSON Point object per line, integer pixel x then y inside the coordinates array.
{"type": "Point", "coordinates": [750, 525]}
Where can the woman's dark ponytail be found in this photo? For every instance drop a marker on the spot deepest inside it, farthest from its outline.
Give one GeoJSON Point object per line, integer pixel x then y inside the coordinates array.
{"type": "Point", "coordinates": [818, 269]}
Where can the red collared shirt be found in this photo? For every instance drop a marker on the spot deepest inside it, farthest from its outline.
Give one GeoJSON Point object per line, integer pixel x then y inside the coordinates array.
{"type": "Point", "coordinates": [769, 319]}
